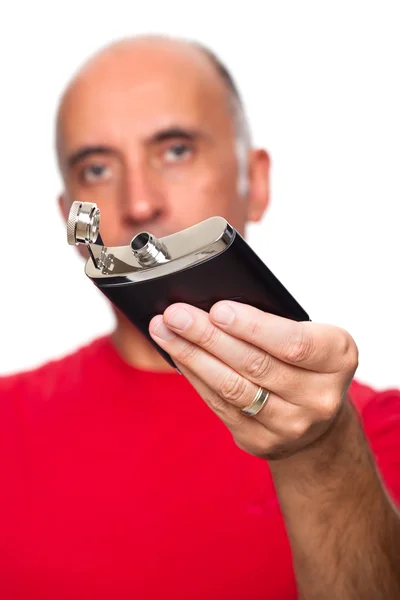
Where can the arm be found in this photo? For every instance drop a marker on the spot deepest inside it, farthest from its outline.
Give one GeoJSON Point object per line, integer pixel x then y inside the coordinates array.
{"type": "Point", "coordinates": [344, 530]}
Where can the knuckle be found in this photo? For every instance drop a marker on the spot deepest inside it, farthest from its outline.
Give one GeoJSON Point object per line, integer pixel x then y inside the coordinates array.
{"type": "Point", "coordinates": [347, 349]}
{"type": "Point", "coordinates": [254, 330]}
{"type": "Point", "coordinates": [233, 388]}
{"type": "Point", "coordinates": [298, 428]}
{"type": "Point", "coordinates": [328, 406]}
{"type": "Point", "coordinates": [257, 364]}
{"type": "Point", "coordinates": [209, 336]}
{"type": "Point", "coordinates": [218, 405]}
{"type": "Point", "coordinates": [343, 342]}
{"type": "Point", "coordinates": [352, 356]}
{"type": "Point", "coordinates": [299, 346]}
{"type": "Point", "coordinates": [187, 353]}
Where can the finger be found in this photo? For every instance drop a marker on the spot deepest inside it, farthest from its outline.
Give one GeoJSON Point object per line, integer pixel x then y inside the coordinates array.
{"type": "Point", "coordinates": [278, 416]}
{"type": "Point", "coordinates": [271, 434]}
{"type": "Point", "coordinates": [252, 363]}
{"type": "Point", "coordinates": [248, 433]}
{"type": "Point", "coordinates": [312, 346]}
{"type": "Point", "coordinates": [233, 418]}
{"type": "Point", "coordinates": [218, 376]}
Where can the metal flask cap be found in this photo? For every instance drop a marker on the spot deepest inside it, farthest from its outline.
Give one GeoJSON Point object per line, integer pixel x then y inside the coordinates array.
{"type": "Point", "coordinates": [83, 225]}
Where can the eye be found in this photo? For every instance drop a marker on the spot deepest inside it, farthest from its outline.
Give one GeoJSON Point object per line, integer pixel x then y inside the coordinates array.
{"type": "Point", "coordinates": [177, 152]}
{"type": "Point", "coordinates": [96, 172]}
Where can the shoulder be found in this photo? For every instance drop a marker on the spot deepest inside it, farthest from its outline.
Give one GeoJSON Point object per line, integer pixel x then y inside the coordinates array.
{"type": "Point", "coordinates": [44, 379]}
{"type": "Point", "coordinates": [35, 396]}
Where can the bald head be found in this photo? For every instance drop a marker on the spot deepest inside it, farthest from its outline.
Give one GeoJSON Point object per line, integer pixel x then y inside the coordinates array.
{"type": "Point", "coordinates": [143, 54]}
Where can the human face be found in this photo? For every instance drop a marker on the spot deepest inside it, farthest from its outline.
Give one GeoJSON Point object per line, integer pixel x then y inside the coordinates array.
{"type": "Point", "coordinates": [150, 139]}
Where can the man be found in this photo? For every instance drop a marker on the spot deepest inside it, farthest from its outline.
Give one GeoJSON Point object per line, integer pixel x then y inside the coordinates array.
{"type": "Point", "coordinates": [123, 479]}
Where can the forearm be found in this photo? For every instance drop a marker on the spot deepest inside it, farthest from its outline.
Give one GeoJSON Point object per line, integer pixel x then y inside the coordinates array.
{"type": "Point", "coordinates": [343, 529]}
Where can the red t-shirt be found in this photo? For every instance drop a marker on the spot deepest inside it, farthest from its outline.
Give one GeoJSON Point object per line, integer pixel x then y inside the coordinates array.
{"type": "Point", "coordinates": [120, 483]}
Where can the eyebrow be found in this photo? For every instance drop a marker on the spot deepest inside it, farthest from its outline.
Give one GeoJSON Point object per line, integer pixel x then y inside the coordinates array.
{"type": "Point", "coordinates": [160, 136]}
{"type": "Point", "coordinates": [175, 132]}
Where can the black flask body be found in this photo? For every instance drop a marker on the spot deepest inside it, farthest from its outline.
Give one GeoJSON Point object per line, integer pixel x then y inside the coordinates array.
{"type": "Point", "coordinates": [236, 273]}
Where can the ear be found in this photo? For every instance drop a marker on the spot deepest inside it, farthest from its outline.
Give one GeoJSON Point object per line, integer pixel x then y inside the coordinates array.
{"type": "Point", "coordinates": [259, 176]}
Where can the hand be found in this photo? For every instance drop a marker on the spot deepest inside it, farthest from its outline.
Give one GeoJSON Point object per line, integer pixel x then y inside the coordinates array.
{"type": "Point", "coordinates": [228, 353]}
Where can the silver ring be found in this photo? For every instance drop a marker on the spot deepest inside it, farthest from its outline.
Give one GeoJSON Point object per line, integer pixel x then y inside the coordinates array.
{"type": "Point", "coordinates": [258, 403]}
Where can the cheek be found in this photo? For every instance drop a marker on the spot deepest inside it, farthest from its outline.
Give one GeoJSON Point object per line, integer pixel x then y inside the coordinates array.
{"type": "Point", "coordinates": [199, 199]}
{"type": "Point", "coordinates": [207, 186]}
{"type": "Point", "coordinates": [221, 198]}
{"type": "Point", "coordinates": [220, 193]}
{"type": "Point", "coordinates": [105, 192]}
{"type": "Point", "coordinates": [192, 204]}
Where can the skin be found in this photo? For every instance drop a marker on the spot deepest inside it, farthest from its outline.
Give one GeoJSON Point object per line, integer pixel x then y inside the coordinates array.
{"type": "Point", "coordinates": [124, 99]}
{"type": "Point", "coordinates": [128, 99]}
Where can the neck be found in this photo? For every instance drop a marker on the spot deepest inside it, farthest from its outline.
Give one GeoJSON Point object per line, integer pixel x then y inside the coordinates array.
{"type": "Point", "coordinates": [135, 349]}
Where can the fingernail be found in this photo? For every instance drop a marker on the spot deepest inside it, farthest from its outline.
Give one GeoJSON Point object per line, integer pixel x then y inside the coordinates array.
{"type": "Point", "coordinates": [223, 314]}
{"type": "Point", "coordinates": [180, 319]}
{"type": "Point", "coordinates": [161, 331]}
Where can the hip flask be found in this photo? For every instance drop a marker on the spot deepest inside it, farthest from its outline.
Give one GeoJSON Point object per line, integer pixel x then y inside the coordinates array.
{"type": "Point", "coordinates": [200, 265]}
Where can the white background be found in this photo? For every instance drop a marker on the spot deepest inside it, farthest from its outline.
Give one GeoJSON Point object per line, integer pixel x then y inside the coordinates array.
{"type": "Point", "coordinates": [320, 82]}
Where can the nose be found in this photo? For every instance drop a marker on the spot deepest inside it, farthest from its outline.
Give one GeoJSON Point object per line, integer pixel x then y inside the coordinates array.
{"type": "Point", "coordinates": [142, 196]}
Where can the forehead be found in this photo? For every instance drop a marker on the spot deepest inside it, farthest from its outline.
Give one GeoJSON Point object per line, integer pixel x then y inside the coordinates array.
{"type": "Point", "coordinates": [130, 99]}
